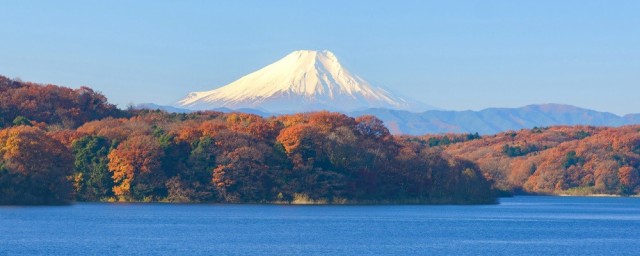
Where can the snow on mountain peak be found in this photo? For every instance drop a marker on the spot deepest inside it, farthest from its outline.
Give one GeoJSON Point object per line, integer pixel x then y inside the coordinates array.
{"type": "Point", "coordinates": [304, 80]}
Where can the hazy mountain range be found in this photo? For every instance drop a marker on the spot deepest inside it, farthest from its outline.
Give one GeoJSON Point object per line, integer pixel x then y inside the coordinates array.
{"type": "Point", "coordinates": [495, 120]}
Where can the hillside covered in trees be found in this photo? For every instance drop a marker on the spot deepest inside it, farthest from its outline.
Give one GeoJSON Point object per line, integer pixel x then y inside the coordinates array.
{"type": "Point", "coordinates": [59, 145]}
{"type": "Point", "coordinates": [577, 160]}
{"type": "Point", "coordinates": [50, 105]}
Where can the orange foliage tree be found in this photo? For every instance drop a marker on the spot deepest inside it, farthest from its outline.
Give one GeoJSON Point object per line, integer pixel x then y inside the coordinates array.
{"type": "Point", "coordinates": [34, 168]}
{"type": "Point", "coordinates": [135, 165]}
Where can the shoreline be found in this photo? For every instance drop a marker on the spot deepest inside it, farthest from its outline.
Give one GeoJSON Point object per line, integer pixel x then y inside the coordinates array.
{"type": "Point", "coordinates": [592, 195]}
{"type": "Point", "coordinates": [575, 195]}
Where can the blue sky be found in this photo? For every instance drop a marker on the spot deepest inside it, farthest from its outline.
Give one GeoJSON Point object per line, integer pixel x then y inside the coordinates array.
{"type": "Point", "coordinates": [452, 54]}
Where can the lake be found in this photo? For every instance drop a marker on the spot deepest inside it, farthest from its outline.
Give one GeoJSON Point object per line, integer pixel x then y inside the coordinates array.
{"type": "Point", "coordinates": [519, 225]}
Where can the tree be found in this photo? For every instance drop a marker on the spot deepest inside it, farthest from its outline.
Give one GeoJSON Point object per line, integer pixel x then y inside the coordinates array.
{"type": "Point", "coordinates": [371, 127]}
{"type": "Point", "coordinates": [135, 165]}
{"type": "Point", "coordinates": [571, 159]}
{"type": "Point", "coordinates": [34, 168]}
{"type": "Point", "coordinates": [243, 171]}
{"type": "Point", "coordinates": [629, 179]}
{"type": "Point", "coordinates": [93, 180]}
{"type": "Point", "coordinates": [193, 181]}
{"type": "Point", "coordinates": [21, 120]}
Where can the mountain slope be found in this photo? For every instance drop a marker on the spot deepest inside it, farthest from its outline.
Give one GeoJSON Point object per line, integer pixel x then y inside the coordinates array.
{"type": "Point", "coordinates": [301, 81]}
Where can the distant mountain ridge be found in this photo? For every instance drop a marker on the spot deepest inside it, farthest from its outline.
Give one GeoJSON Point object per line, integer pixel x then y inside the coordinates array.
{"type": "Point", "coordinates": [304, 80]}
{"type": "Point", "coordinates": [487, 121]}
{"type": "Point", "coordinates": [495, 120]}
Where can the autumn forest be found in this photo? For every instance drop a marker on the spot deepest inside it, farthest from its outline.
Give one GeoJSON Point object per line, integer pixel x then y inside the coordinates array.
{"type": "Point", "coordinates": [60, 145]}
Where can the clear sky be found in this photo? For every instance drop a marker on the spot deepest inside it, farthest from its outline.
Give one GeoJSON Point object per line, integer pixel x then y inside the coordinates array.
{"type": "Point", "coordinates": [452, 54]}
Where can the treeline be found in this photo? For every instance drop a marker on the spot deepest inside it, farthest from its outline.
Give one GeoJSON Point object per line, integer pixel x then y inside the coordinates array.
{"type": "Point", "coordinates": [59, 145]}
{"type": "Point", "coordinates": [579, 160]}
{"type": "Point", "coordinates": [24, 103]}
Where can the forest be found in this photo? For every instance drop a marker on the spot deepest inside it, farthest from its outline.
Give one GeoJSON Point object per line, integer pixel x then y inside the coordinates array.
{"type": "Point", "coordinates": [559, 160]}
{"type": "Point", "coordinates": [60, 145]}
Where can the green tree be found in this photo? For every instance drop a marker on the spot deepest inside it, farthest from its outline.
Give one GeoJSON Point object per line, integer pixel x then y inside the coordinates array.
{"type": "Point", "coordinates": [92, 178]}
{"type": "Point", "coordinates": [571, 159]}
{"type": "Point", "coordinates": [21, 120]}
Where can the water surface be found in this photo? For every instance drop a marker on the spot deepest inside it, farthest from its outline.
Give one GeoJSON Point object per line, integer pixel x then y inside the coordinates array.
{"type": "Point", "coordinates": [520, 225]}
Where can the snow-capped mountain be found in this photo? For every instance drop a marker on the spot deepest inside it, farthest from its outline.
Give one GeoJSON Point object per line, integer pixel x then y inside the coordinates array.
{"type": "Point", "coordinates": [301, 81]}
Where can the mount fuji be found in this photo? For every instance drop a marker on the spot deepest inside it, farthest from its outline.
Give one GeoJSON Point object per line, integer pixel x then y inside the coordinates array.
{"type": "Point", "coordinates": [303, 80]}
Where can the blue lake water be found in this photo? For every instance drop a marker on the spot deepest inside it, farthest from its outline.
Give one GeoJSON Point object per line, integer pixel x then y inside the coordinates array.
{"type": "Point", "coordinates": [520, 225]}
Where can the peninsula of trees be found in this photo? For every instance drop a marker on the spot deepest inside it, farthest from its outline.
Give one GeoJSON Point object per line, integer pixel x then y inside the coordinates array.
{"type": "Point", "coordinates": [59, 145]}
